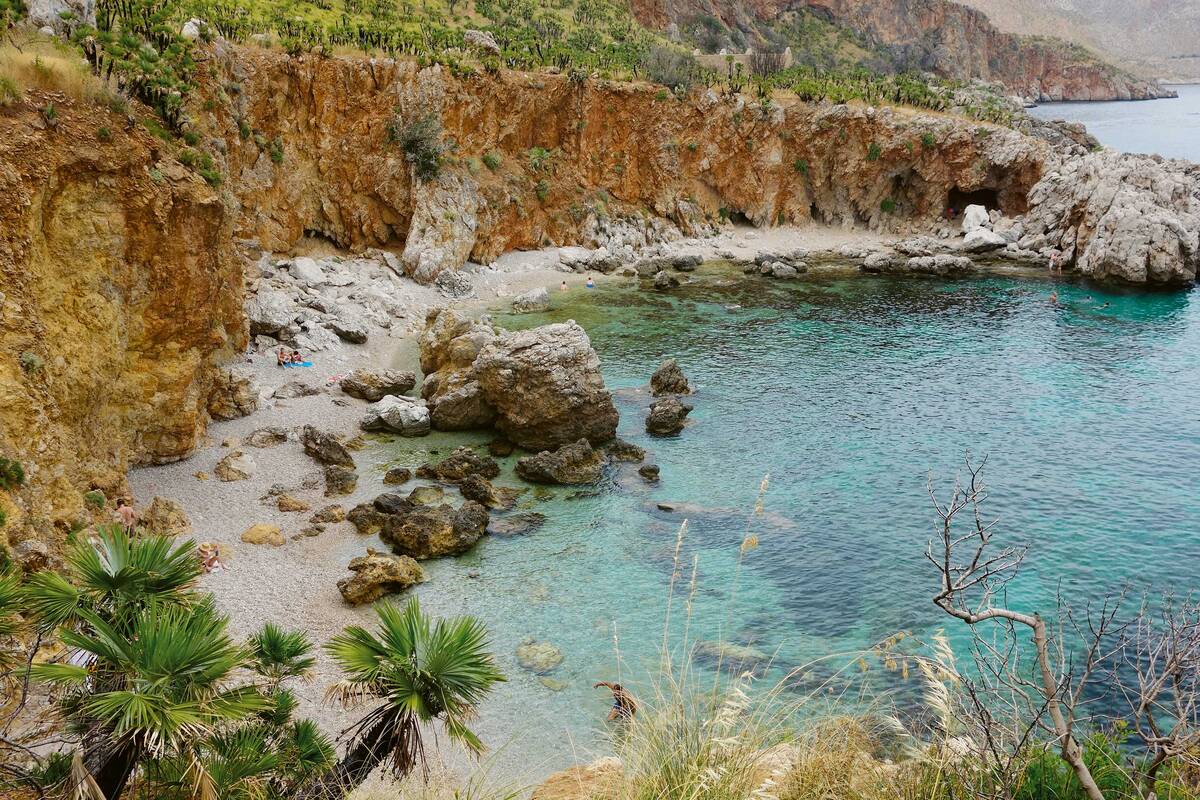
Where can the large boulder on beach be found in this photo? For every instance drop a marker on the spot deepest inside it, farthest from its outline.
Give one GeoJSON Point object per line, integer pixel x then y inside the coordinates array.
{"type": "Point", "coordinates": [975, 217]}
{"type": "Point", "coordinates": [269, 313]}
{"type": "Point", "coordinates": [403, 415]}
{"type": "Point", "coordinates": [435, 531]}
{"type": "Point", "coordinates": [233, 396]}
{"type": "Point", "coordinates": [1119, 217]}
{"type": "Point", "coordinates": [667, 415]}
{"type": "Point", "coordinates": [325, 447]}
{"type": "Point", "coordinates": [981, 240]}
{"type": "Point", "coordinates": [378, 574]}
{"type": "Point", "coordinates": [374, 385]}
{"type": "Point", "coordinates": [546, 387]}
{"type": "Point", "coordinates": [669, 379]}
{"type": "Point", "coordinates": [541, 388]}
{"type": "Point", "coordinates": [235, 466]}
{"type": "Point", "coordinates": [571, 464]}
{"type": "Point", "coordinates": [263, 533]}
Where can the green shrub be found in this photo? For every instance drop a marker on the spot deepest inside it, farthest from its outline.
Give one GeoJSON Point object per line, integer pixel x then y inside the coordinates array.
{"type": "Point", "coordinates": [95, 499]}
{"type": "Point", "coordinates": [888, 206]}
{"type": "Point", "coordinates": [244, 129]}
{"type": "Point", "coordinates": [542, 189]}
{"type": "Point", "coordinates": [31, 362]}
{"type": "Point", "coordinates": [50, 113]}
{"type": "Point", "coordinates": [9, 91]}
{"type": "Point", "coordinates": [874, 152]}
{"type": "Point", "coordinates": [156, 128]}
{"type": "Point", "coordinates": [276, 150]}
{"type": "Point", "coordinates": [801, 166]}
{"type": "Point", "coordinates": [692, 147]}
{"type": "Point", "coordinates": [189, 158]}
{"type": "Point", "coordinates": [539, 158]}
{"type": "Point", "coordinates": [3, 519]}
{"type": "Point", "coordinates": [104, 134]}
{"type": "Point", "coordinates": [674, 69]}
{"type": "Point", "coordinates": [422, 145]}
{"type": "Point", "coordinates": [156, 175]}
{"type": "Point", "coordinates": [661, 95]}
{"type": "Point", "coordinates": [12, 474]}
{"type": "Point", "coordinates": [492, 160]}
{"type": "Point", "coordinates": [191, 138]}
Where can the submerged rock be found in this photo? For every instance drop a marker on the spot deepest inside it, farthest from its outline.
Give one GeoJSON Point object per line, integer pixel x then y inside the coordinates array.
{"type": "Point", "coordinates": [571, 464]}
{"type": "Point", "coordinates": [650, 472]}
{"type": "Point", "coordinates": [533, 301]}
{"type": "Point", "coordinates": [379, 574]}
{"type": "Point", "coordinates": [397, 475]}
{"type": "Point", "coordinates": [669, 379]}
{"type": "Point", "coordinates": [516, 524]}
{"type": "Point", "coordinates": [538, 657]}
{"type": "Point", "coordinates": [667, 416]}
{"type": "Point", "coordinates": [339, 480]}
{"type": "Point", "coordinates": [665, 280]}
{"type": "Point", "coordinates": [462, 462]}
{"type": "Point", "coordinates": [473, 487]}
{"type": "Point", "coordinates": [621, 450]}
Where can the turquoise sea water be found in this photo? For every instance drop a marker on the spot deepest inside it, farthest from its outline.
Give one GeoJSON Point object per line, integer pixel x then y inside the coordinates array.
{"type": "Point", "coordinates": [851, 392]}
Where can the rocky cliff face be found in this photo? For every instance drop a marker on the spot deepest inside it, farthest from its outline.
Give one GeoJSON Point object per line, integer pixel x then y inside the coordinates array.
{"type": "Point", "coordinates": [944, 37]}
{"type": "Point", "coordinates": [118, 290]}
{"type": "Point", "coordinates": [539, 159]}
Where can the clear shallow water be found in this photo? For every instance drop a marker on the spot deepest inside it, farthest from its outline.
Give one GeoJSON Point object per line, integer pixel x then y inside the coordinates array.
{"type": "Point", "coordinates": [1168, 127]}
{"type": "Point", "coordinates": [850, 392]}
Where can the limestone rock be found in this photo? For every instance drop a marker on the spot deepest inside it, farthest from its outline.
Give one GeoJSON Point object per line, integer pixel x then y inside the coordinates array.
{"type": "Point", "coordinates": [516, 524]}
{"type": "Point", "coordinates": [339, 480]}
{"type": "Point", "coordinates": [650, 472]}
{"type": "Point", "coordinates": [233, 396]}
{"type": "Point", "coordinates": [294, 389]}
{"type": "Point", "coordinates": [420, 496]}
{"type": "Point", "coordinates": [306, 271]}
{"type": "Point", "coordinates": [406, 416]}
{"type": "Point", "coordinates": [667, 416]}
{"type": "Point", "coordinates": [367, 519]}
{"type": "Point", "coordinates": [165, 517]}
{"type": "Point", "coordinates": [441, 233]}
{"type": "Point", "coordinates": [235, 466]}
{"type": "Point", "coordinates": [350, 329]}
{"type": "Point", "coordinates": [669, 379]}
{"type": "Point", "coordinates": [538, 657]}
{"type": "Point", "coordinates": [481, 40]}
{"type": "Point", "coordinates": [289, 504]}
{"type": "Point", "coordinates": [267, 437]}
{"type": "Point", "coordinates": [596, 781]}
{"type": "Point", "coordinates": [458, 465]}
{"type": "Point", "coordinates": [473, 487]}
{"type": "Point", "coordinates": [435, 531]}
{"type": "Point", "coordinates": [546, 387]}
{"type": "Point", "coordinates": [974, 218]}
{"type": "Point", "coordinates": [378, 574]}
{"type": "Point", "coordinates": [269, 313]}
{"type": "Point", "coordinates": [330, 513]}
{"type": "Point", "coordinates": [263, 534]}
{"type": "Point", "coordinates": [981, 240]}
{"type": "Point", "coordinates": [665, 280]}
{"type": "Point", "coordinates": [571, 464]}
{"type": "Point", "coordinates": [49, 13]}
{"type": "Point", "coordinates": [1119, 217]}
{"type": "Point", "coordinates": [621, 450]}
{"type": "Point", "coordinates": [535, 300]}
{"type": "Point", "coordinates": [397, 475]}
{"type": "Point", "coordinates": [325, 447]}
{"type": "Point", "coordinates": [32, 555]}
{"type": "Point", "coordinates": [374, 385]}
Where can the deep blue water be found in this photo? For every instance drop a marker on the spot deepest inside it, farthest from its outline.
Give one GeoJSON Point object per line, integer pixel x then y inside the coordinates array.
{"type": "Point", "coordinates": [1169, 127]}
{"type": "Point", "coordinates": [851, 393]}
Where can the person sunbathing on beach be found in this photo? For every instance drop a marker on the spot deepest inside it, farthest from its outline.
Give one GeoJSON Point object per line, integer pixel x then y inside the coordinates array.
{"type": "Point", "coordinates": [624, 706]}
{"type": "Point", "coordinates": [297, 358]}
{"type": "Point", "coordinates": [281, 357]}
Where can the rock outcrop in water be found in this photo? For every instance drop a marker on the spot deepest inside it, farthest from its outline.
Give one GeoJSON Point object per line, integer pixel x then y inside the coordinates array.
{"type": "Point", "coordinates": [1120, 217]}
{"type": "Point", "coordinates": [540, 388]}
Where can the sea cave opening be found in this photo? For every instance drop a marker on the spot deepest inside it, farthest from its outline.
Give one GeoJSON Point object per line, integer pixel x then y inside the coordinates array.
{"type": "Point", "coordinates": [960, 199]}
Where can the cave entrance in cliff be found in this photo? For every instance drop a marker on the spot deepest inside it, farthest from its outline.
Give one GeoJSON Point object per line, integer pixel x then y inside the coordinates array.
{"type": "Point", "coordinates": [958, 200]}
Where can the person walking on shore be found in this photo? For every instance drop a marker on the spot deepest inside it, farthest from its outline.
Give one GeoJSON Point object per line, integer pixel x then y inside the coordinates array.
{"type": "Point", "coordinates": [126, 515]}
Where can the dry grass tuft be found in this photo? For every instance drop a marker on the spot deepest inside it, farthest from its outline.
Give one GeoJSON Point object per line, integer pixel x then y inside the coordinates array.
{"type": "Point", "coordinates": [47, 65]}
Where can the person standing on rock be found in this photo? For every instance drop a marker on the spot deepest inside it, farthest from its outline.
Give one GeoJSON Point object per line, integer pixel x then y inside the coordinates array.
{"type": "Point", "coordinates": [126, 515]}
{"type": "Point", "coordinates": [624, 706]}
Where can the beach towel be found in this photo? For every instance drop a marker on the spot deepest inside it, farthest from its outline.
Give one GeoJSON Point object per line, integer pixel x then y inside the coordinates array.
{"type": "Point", "coordinates": [301, 364]}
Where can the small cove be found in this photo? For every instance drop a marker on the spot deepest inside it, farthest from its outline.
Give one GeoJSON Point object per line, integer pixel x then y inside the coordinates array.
{"type": "Point", "coordinates": [850, 392]}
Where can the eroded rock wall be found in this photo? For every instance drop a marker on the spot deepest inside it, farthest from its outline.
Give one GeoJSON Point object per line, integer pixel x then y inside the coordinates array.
{"type": "Point", "coordinates": [120, 290]}
{"type": "Point", "coordinates": [611, 151]}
